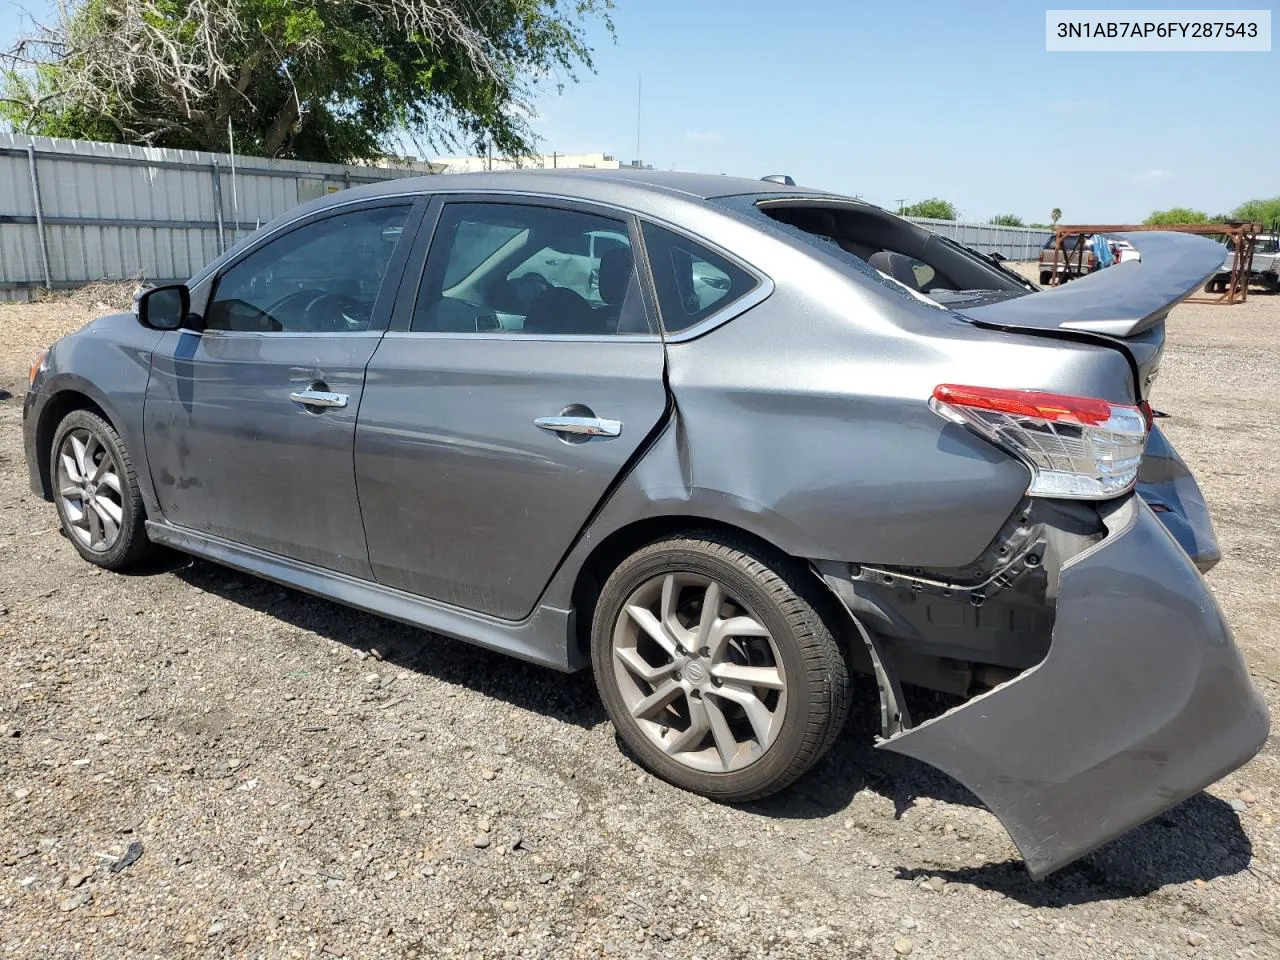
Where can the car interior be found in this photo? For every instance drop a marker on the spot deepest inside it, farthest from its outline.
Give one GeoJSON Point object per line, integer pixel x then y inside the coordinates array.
{"type": "Point", "coordinates": [509, 290]}
{"type": "Point", "coordinates": [900, 250]}
{"type": "Point", "coordinates": [322, 278]}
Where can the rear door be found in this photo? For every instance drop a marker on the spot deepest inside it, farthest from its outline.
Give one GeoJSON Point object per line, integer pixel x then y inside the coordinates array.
{"type": "Point", "coordinates": [250, 422]}
{"type": "Point", "coordinates": [501, 405]}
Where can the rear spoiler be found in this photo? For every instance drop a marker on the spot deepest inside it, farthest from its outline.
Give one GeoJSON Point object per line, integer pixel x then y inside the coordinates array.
{"type": "Point", "coordinates": [1118, 301]}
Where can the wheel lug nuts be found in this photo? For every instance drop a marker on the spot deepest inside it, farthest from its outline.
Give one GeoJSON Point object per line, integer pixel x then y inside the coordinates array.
{"type": "Point", "coordinates": [704, 652]}
{"type": "Point", "coordinates": [716, 682]}
{"type": "Point", "coordinates": [675, 675]}
{"type": "Point", "coordinates": [696, 694]}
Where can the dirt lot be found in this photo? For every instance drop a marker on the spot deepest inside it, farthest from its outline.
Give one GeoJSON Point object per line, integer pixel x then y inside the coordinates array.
{"type": "Point", "coordinates": [309, 781]}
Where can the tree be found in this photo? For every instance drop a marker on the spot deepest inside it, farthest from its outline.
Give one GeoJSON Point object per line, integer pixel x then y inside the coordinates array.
{"type": "Point", "coordinates": [1266, 212]}
{"type": "Point", "coordinates": [933, 208]}
{"type": "Point", "coordinates": [1176, 215]}
{"type": "Point", "coordinates": [1055, 215]}
{"type": "Point", "coordinates": [1006, 220]}
{"type": "Point", "coordinates": [332, 80]}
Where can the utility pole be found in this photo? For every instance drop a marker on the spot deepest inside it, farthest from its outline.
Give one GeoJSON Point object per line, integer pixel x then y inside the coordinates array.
{"type": "Point", "coordinates": [901, 201]}
{"type": "Point", "coordinates": [639, 91]}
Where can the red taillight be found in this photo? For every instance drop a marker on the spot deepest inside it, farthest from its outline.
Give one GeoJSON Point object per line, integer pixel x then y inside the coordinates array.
{"type": "Point", "coordinates": [1148, 414]}
{"type": "Point", "coordinates": [1076, 447]}
{"type": "Point", "coordinates": [1027, 403]}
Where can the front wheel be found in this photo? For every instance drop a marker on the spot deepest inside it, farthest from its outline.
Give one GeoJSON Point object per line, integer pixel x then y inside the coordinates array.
{"type": "Point", "coordinates": [96, 492]}
{"type": "Point", "coordinates": [715, 667]}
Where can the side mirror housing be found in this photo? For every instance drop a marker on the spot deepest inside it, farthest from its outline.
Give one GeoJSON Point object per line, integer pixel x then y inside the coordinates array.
{"type": "Point", "coordinates": [163, 308]}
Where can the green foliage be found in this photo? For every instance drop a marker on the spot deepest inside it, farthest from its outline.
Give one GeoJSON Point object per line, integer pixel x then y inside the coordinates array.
{"type": "Point", "coordinates": [933, 208]}
{"type": "Point", "coordinates": [1266, 212]}
{"type": "Point", "coordinates": [1006, 220]}
{"type": "Point", "coordinates": [1176, 215]}
{"type": "Point", "coordinates": [1055, 215]}
{"type": "Point", "coordinates": [331, 80]}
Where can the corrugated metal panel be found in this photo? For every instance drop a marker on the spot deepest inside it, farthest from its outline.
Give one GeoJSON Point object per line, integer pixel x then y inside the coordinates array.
{"type": "Point", "coordinates": [1012, 243]}
{"type": "Point", "coordinates": [165, 200]}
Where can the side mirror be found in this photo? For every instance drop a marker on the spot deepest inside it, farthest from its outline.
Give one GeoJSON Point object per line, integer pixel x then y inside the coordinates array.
{"type": "Point", "coordinates": [163, 308]}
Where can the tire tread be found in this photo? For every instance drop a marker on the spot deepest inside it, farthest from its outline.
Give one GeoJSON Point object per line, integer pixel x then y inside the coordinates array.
{"type": "Point", "coordinates": [825, 672]}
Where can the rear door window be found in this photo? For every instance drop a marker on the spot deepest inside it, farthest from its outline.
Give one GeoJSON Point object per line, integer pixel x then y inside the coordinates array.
{"type": "Point", "coordinates": [692, 281]}
{"type": "Point", "coordinates": [518, 268]}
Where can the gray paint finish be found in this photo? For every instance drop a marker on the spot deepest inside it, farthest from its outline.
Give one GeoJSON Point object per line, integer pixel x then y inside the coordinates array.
{"type": "Point", "coordinates": [230, 454]}
{"type": "Point", "coordinates": [432, 497]}
{"type": "Point", "coordinates": [1143, 701]}
{"type": "Point", "coordinates": [465, 499]}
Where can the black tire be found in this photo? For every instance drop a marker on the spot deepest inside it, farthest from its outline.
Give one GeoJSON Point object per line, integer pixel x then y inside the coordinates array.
{"type": "Point", "coordinates": [787, 604]}
{"type": "Point", "coordinates": [131, 543]}
{"type": "Point", "coordinates": [1045, 278]}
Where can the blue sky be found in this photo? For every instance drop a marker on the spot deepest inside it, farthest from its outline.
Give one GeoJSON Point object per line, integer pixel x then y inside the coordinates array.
{"type": "Point", "coordinates": [917, 99]}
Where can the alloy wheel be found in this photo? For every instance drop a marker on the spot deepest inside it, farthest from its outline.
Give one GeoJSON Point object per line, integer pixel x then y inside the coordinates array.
{"type": "Point", "coordinates": [699, 672]}
{"type": "Point", "coordinates": [90, 490]}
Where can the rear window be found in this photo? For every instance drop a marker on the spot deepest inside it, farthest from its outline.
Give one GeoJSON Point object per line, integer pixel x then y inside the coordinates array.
{"type": "Point", "coordinates": [692, 282]}
{"type": "Point", "coordinates": [1068, 243]}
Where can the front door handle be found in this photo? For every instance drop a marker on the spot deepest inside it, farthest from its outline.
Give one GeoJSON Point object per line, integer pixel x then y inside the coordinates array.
{"type": "Point", "coordinates": [319, 398]}
{"type": "Point", "coordinates": [580, 426]}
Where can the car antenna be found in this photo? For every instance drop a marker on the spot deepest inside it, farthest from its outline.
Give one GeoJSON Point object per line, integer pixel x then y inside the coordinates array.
{"type": "Point", "coordinates": [780, 178]}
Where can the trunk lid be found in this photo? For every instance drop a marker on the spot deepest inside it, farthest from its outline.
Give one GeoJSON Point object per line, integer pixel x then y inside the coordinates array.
{"type": "Point", "coordinates": [1123, 306]}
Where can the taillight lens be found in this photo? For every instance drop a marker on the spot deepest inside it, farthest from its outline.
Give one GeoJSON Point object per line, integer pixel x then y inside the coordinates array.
{"type": "Point", "coordinates": [1078, 448]}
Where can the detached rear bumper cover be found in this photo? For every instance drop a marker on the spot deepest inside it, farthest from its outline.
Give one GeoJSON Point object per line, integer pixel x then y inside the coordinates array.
{"type": "Point", "coordinates": [1142, 701]}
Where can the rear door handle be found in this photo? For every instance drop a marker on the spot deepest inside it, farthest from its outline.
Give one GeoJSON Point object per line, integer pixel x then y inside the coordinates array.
{"type": "Point", "coordinates": [580, 426]}
{"type": "Point", "coordinates": [319, 398]}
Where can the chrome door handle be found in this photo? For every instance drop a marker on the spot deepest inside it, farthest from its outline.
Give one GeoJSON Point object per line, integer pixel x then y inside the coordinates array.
{"type": "Point", "coordinates": [319, 398]}
{"type": "Point", "coordinates": [581, 426]}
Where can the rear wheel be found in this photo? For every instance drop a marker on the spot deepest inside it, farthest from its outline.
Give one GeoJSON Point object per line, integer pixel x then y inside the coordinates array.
{"type": "Point", "coordinates": [715, 667]}
{"type": "Point", "coordinates": [96, 492]}
{"type": "Point", "coordinates": [1045, 278]}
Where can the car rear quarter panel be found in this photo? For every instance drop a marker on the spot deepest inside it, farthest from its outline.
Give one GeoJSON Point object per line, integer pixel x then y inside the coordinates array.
{"type": "Point", "coordinates": [806, 422]}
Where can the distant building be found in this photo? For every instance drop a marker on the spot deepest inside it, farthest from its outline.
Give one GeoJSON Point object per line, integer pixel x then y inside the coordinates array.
{"type": "Point", "coordinates": [390, 162]}
{"type": "Point", "coordinates": [544, 161]}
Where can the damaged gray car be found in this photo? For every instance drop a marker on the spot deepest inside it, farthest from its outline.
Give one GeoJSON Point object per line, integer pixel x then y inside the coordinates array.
{"type": "Point", "coordinates": [723, 441]}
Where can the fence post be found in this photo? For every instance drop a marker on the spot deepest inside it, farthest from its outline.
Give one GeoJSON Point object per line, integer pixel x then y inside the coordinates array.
{"type": "Point", "coordinates": [35, 195]}
{"type": "Point", "coordinates": [217, 205]}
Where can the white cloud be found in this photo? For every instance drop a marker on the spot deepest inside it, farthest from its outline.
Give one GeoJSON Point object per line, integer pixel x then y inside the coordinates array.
{"type": "Point", "coordinates": [1154, 175]}
{"type": "Point", "coordinates": [704, 136]}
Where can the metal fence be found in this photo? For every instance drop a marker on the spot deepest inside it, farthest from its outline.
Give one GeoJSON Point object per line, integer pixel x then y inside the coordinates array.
{"type": "Point", "coordinates": [1012, 243]}
{"type": "Point", "coordinates": [74, 211]}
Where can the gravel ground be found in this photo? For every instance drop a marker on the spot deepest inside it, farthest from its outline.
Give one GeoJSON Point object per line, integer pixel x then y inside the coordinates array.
{"type": "Point", "coordinates": [294, 779]}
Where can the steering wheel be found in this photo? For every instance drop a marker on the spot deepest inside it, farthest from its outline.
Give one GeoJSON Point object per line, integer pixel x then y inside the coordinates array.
{"type": "Point", "coordinates": [330, 312]}
{"type": "Point", "coordinates": [316, 310]}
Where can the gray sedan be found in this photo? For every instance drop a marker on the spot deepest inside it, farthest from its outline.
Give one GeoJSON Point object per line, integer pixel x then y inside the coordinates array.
{"type": "Point", "coordinates": [722, 441]}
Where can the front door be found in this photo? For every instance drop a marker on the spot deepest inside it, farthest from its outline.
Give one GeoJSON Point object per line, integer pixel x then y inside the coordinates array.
{"type": "Point", "coordinates": [250, 422]}
{"type": "Point", "coordinates": [496, 419]}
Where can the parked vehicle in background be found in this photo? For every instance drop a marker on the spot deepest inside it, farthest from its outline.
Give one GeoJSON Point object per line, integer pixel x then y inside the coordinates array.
{"type": "Point", "coordinates": [768, 436]}
{"type": "Point", "coordinates": [1265, 269]}
{"type": "Point", "coordinates": [1125, 251]}
{"type": "Point", "coordinates": [1068, 263]}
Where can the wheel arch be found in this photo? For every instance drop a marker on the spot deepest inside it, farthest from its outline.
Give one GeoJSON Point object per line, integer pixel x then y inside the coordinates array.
{"type": "Point", "coordinates": [55, 410]}
{"type": "Point", "coordinates": [619, 544]}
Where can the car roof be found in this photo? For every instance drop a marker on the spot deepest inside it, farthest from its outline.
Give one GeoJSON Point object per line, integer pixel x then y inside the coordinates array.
{"type": "Point", "coordinates": [634, 189]}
